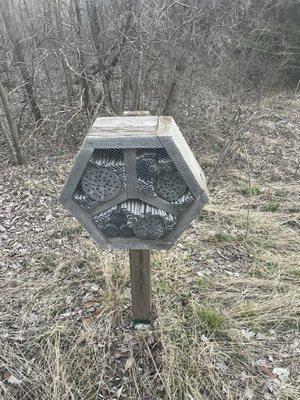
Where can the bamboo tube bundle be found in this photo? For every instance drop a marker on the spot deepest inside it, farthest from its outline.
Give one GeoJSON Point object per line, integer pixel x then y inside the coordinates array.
{"type": "Point", "coordinates": [83, 199]}
{"type": "Point", "coordinates": [135, 218]}
{"type": "Point", "coordinates": [135, 178]}
{"type": "Point", "coordinates": [112, 161]}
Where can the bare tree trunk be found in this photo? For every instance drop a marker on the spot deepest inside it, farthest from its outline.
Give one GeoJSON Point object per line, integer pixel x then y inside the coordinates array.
{"type": "Point", "coordinates": [20, 60]}
{"type": "Point", "coordinates": [60, 37]}
{"type": "Point", "coordinates": [123, 90]}
{"type": "Point", "coordinates": [32, 31]}
{"type": "Point", "coordinates": [81, 60]}
{"type": "Point", "coordinates": [95, 29]}
{"type": "Point", "coordinates": [12, 127]}
{"type": "Point", "coordinates": [105, 67]}
{"type": "Point", "coordinates": [9, 142]}
{"type": "Point", "coordinates": [137, 97]}
{"type": "Point", "coordinates": [173, 91]}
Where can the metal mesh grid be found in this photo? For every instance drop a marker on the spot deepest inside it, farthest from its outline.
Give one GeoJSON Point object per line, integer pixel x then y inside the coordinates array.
{"type": "Point", "coordinates": [157, 175]}
{"type": "Point", "coordinates": [149, 173]}
{"type": "Point", "coordinates": [135, 218]}
{"type": "Point", "coordinates": [101, 183]}
{"type": "Point", "coordinates": [103, 178]}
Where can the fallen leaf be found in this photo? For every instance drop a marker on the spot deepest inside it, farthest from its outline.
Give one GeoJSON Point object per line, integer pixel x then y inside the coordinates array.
{"type": "Point", "coordinates": [89, 303]}
{"type": "Point", "coordinates": [128, 364]}
{"type": "Point", "coordinates": [119, 392]}
{"type": "Point", "coordinates": [266, 370]}
{"type": "Point", "coordinates": [14, 381]}
{"type": "Point", "coordinates": [94, 288]}
{"type": "Point", "coordinates": [7, 376]}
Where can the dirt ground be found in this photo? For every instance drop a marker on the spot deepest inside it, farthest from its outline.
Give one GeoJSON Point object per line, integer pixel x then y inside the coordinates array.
{"type": "Point", "coordinates": [225, 299]}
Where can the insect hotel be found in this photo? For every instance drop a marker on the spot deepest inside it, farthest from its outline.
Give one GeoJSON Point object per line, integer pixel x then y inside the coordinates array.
{"type": "Point", "coordinates": [135, 184]}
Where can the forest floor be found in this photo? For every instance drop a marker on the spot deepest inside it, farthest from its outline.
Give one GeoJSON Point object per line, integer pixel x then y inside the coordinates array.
{"type": "Point", "coordinates": [226, 298]}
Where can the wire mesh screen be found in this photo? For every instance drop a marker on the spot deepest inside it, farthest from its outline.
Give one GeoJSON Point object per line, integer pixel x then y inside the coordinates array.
{"type": "Point", "coordinates": [103, 179]}
{"type": "Point", "coordinates": [133, 193]}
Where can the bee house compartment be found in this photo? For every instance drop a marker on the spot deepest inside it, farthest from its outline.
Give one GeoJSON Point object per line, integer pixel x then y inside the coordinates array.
{"type": "Point", "coordinates": [135, 183]}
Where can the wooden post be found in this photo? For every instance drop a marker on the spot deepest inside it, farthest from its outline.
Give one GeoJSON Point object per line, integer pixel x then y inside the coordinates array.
{"type": "Point", "coordinates": [140, 274]}
{"type": "Point", "coordinates": [140, 288]}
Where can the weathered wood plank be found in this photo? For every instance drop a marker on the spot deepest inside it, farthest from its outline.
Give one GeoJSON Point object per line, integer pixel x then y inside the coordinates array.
{"type": "Point", "coordinates": [142, 141]}
{"type": "Point", "coordinates": [136, 113]}
{"type": "Point", "coordinates": [158, 203]}
{"type": "Point", "coordinates": [86, 220]}
{"type": "Point", "coordinates": [135, 243]}
{"type": "Point", "coordinates": [182, 155]}
{"type": "Point", "coordinates": [131, 172]}
{"type": "Point", "coordinates": [114, 126]}
{"type": "Point", "coordinates": [140, 285]}
{"type": "Point", "coordinates": [108, 204]}
{"type": "Point", "coordinates": [75, 174]}
{"type": "Point", "coordinates": [187, 217]}
{"type": "Point", "coordinates": [164, 126]}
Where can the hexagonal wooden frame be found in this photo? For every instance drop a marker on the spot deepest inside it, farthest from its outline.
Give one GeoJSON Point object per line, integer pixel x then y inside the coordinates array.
{"type": "Point", "coordinates": [130, 133]}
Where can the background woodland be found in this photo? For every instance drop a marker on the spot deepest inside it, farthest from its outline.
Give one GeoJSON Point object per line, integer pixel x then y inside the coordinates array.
{"type": "Point", "coordinates": [64, 62]}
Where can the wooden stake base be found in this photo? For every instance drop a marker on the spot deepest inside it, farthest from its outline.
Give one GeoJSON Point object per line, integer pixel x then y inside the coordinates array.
{"type": "Point", "coordinates": [140, 288]}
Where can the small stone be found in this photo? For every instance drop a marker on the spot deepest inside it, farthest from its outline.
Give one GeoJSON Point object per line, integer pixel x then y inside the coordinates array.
{"type": "Point", "coordinates": [12, 379]}
{"type": "Point", "coordinates": [281, 373]}
{"type": "Point", "coordinates": [248, 334]}
{"type": "Point", "coordinates": [259, 336]}
{"type": "Point", "coordinates": [204, 338]}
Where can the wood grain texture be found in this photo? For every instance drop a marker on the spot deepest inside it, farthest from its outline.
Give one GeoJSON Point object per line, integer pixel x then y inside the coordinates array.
{"type": "Point", "coordinates": [122, 141]}
{"type": "Point", "coordinates": [140, 285]}
{"type": "Point", "coordinates": [123, 132]}
{"type": "Point", "coordinates": [181, 154]}
{"type": "Point", "coordinates": [131, 172]}
{"type": "Point", "coordinates": [135, 243]}
{"type": "Point", "coordinates": [164, 126]}
{"type": "Point", "coordinates": [187, 217]}
{"type": "Point", "coordinates": [124, 125]}
{"type": "Point", "coordinates": [136, 113]}
{"type": "Point", "coordinates": [158, 202]}
{"type": "Point", "coordinates": [108, 204]}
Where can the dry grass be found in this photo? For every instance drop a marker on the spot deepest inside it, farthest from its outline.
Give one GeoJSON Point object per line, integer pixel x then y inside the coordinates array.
{"type": "Point", "coordinates": [226, 309]}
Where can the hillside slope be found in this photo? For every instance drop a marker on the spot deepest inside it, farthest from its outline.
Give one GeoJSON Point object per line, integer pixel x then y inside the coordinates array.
{"type": "Point", "coordinates": [225, 298]}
